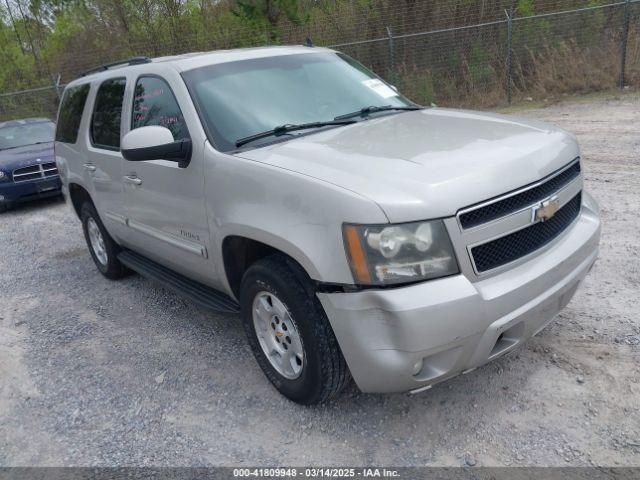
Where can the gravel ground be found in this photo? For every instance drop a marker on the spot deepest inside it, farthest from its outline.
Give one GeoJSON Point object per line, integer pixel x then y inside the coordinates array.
{"type": "Point", "coordinates": [94, 372]}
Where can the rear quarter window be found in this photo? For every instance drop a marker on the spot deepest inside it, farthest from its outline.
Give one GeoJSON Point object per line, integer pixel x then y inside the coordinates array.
{"type": "Point", "coordinates": [71, 109]}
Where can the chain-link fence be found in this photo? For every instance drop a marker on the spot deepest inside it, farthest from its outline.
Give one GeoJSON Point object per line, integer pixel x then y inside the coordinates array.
{"type": "Point", "coordinates": [34, 102]}
{"type": "Point", "coordinates": [586, 49]}
{"type": "Point", "coordinates": [509, 57]}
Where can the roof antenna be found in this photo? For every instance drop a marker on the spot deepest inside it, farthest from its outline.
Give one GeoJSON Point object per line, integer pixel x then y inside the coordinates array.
{"type": "Point", "coordinates": [308, 42]}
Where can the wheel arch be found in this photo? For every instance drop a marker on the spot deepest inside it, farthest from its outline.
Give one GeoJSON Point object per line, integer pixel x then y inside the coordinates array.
{"type": "Point", "coordinates": [78, 196]}
{"type": "Point", "coordinates": [239, 252]}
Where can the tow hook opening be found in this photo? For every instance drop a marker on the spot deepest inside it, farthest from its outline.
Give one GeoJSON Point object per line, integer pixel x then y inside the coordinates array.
{"type": "Point", "coordinates": [437, 365]}
{"type": "Point", "coordinates": [507, 340]}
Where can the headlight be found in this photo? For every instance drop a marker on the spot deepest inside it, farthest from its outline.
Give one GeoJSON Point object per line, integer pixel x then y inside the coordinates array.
{"type": "Point", "coordinates": [3, 176]}
{"type": "Point", "coordinates": [404, 253]}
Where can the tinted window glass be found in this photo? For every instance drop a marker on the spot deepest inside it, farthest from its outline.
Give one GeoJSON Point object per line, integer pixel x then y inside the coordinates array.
{"type": "Point", "coordinates": [71, 109]}
{"type": "Point", "coordinates": [107, 113]}
{"type": "Point", "coordinates": [154, 104]}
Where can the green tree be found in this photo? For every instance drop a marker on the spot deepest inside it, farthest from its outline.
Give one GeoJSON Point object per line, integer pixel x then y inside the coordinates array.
{"type": "Point", "coordinates": [266, 15]}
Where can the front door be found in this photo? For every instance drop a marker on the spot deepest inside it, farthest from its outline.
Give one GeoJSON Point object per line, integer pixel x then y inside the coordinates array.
{"type": "Point", "coordinates": [165, 204]}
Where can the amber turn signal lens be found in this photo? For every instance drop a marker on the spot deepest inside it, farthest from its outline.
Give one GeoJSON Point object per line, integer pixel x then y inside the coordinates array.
{"type": "Point", "coordinates": [357, 257]}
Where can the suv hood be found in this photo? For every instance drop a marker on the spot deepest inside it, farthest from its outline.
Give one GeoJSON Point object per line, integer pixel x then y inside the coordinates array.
{"type": "Point", "coordinates": [428, 163]}
{"type": "Point", "coordinates": [19, 157]}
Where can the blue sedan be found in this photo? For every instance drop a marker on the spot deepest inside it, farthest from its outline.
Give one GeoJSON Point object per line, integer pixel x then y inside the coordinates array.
{"type": "Point", "coordinates": [27, 162]}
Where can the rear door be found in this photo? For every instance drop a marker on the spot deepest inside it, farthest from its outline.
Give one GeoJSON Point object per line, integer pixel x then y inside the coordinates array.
{"type": "Point", "coordinates": [103, 164]}
{"type": "Point", "coordinates": [165, 203]}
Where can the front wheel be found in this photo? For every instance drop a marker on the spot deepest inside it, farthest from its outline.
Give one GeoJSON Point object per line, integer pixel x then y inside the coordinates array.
{"type": "Point", "coordinates": [289, 333]}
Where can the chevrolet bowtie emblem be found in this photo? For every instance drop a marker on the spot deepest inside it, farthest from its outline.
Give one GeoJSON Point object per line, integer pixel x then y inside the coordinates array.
{"type": "Point", "coordinates": [546, 210]}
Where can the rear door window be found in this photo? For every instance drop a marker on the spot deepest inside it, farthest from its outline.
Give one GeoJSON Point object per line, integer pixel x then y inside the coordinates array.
{"type": "Point", "coordinates": [107, 114]}
{"type": "Point", "coordinates": [71, 108]}
{"type": "Point", "coordinates": [155, 104]}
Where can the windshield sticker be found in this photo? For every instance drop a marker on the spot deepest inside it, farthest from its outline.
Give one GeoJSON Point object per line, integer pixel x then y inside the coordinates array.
{"type": "Point", "coordinates": [380, 88]}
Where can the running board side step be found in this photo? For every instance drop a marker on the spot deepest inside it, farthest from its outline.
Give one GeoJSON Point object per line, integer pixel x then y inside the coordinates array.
{"type": "Point", "coordinates": [204, 296]}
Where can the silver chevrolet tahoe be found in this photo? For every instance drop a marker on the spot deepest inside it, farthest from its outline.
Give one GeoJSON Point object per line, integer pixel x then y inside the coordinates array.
{"type": "Point", "coordinates": [356, 233]}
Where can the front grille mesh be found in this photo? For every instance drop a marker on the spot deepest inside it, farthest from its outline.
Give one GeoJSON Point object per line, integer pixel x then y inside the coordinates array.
{"type": "Point", "coordinates": [35, 172]}
{"type": "Point", "coordinates": [516, 202]}
{"type": "Point", "coordinates": [523, 242]}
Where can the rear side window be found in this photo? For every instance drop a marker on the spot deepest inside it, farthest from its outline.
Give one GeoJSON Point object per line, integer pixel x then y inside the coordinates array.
{"type": "Point", "coordinates": [71, 109]}
{"type": "Point", "coordinates": [107, 114]}
{"type": "Point", "coordinates": [155, 104]}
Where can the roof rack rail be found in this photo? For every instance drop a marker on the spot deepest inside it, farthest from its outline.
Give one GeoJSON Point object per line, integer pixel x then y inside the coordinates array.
{"type": "Point", "coordinates": [107, 66]}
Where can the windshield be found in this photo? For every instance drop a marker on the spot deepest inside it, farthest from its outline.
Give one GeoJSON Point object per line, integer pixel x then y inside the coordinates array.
{"type": "Point", "coordinates": [26, 134]}
{"type": "Point", "coordinates": [244, 98]}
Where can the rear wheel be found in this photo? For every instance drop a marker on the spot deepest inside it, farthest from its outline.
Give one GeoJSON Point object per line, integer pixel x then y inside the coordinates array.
{"type": "Point", "coordinates": [104, 250]}
{"type": "Point", "coordinates": [290, 334]}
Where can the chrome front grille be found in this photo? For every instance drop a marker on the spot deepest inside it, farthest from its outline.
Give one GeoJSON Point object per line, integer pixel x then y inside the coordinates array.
{"type": "Point", "coordinates": [508, 229]}
{"type": "Point", "coordinates": [477, 215]}
{"type": "Point", "coordinates": [35, 172]}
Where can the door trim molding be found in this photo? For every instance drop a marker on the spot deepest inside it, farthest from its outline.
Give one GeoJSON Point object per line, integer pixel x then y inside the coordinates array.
{"type": "Point", "coordinates": [121, 219]}
{"type": "Point", "coordinates": [181, 243]}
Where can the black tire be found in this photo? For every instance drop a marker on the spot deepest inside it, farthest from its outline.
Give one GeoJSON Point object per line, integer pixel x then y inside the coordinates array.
{"type": "Point", "coordinates": [112, 269]}
{"type": "Point", "coordinates": [5, 207]}
{"type": "Point", "coordinates": [325, 372]}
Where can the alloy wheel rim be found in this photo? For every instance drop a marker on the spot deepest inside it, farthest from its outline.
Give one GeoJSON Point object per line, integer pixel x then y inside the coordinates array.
{"type": "Point", "coordinates": [278, 335]}
{"type": "Point", "coordinates": [97, 242]}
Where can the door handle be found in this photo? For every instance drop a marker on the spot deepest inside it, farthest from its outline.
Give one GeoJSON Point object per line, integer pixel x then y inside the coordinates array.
{"type": "Point", "coordinates": [133, 179]}
{"type": "Point", "coordinates": [90, 167]}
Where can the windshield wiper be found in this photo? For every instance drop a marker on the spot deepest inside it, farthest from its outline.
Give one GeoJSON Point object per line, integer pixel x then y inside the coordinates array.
{"type": "Point", "coordinates": [363, 112]}
{"type": "Point", "coordinates": [284, 129]}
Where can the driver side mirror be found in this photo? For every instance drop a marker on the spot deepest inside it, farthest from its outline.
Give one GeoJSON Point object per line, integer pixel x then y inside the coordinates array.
{"type": "Point", "coordinates": [155, 143]}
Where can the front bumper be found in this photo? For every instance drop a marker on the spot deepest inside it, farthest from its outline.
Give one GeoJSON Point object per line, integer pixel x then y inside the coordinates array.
{"type": "Point", "coordinates": [407, 339]}
{"type": "Point", "coordinates": [24, 191]}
